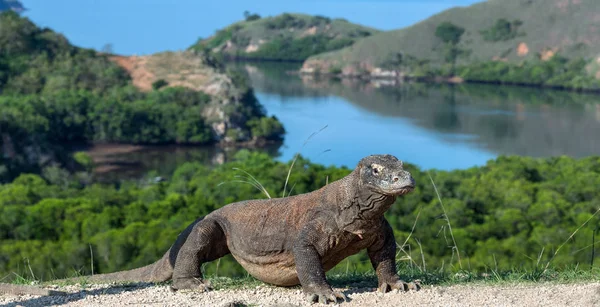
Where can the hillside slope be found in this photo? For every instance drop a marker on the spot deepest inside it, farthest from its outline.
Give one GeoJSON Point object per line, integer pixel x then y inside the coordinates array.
{"type": "Point", "coordinates": [291, 37]}
{"type": "Point", "coordinates": [505, 30]}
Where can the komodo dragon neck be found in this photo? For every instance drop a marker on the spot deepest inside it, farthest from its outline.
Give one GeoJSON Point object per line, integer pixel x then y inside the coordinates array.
{"type": "Point", "coordinates": [358, 206]}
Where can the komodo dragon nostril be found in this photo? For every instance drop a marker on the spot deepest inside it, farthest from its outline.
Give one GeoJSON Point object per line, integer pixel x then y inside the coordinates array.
{"type": "Point", "coordinates": [395, 178]}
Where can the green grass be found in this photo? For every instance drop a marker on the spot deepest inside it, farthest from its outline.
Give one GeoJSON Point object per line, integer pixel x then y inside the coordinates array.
{"type": "Point", "coordinates": [437, 278]}
{"type": "Point", "coordinates": [369, 280]}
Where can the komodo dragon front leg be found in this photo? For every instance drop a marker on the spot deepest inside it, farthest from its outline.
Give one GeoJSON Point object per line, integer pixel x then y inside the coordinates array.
{"type": "Point", "coordinates": [382, 254]}
{"type": "Point", "coordinates": [352, 220]}
{"type": "Point", "coordinates": [309, 248]}
{"type": "Point", "coordinates": [321, 237]}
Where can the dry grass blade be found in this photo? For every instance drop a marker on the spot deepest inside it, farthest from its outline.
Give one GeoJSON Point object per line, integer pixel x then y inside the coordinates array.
{"type": "Point", "coordinates": [422, 255]}
{"type": "Point", "coordinates": [30, 270]}
{"type": "Point", "coordinates": [408, 256]}
{"type": "Point", "coordinates": [447, 220]}
{"type": "Point", "coordinates": [401, 247]}
{"type": "Point", "coordinates": [291, 189]}
{"type": "Point", "coordinates": [92, 256]}
{"type": "Point", "coordinates": [248, 182]}
{"type": "Point", "coordinates": [296, 158]}
{"type": "Point", "coordinates": [569, 238]}
{"type": "Point", "coordinates": [252, 181]}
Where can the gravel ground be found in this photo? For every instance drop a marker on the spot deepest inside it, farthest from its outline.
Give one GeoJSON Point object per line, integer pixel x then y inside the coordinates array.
{"type": "Point", "coordinates": [548, 294]}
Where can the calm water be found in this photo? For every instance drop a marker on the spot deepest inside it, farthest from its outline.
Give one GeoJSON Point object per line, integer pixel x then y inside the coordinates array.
{"type": "Point", "coordinates": [432, 126]}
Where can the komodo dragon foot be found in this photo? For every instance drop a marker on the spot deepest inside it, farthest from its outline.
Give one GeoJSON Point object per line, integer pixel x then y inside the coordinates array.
{"type": "Point", "coordinates": [195, 284]}
{"type": "Point", "coordinates": [399, 285]}
{"type": "Point", "coordinates": [324, 297]}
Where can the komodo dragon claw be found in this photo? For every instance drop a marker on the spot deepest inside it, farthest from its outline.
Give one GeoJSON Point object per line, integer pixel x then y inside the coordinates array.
{"type": "Point", "coordinates": [325, 298]}
{"type": "Point", "coordinates": [195, 284]}
{"type": "Point", "coordinates": [399, 285]}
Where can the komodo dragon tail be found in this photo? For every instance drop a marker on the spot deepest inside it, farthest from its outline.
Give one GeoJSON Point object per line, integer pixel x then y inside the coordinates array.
{"type": "Point", "coordinates": [159, 271]}
{"type": "Point", "coordinates": [26, 290]}
{"type": "Point", "coordinates": [156, 272]}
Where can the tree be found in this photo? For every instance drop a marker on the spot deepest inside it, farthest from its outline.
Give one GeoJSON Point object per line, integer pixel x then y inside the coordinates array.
{"type": "Point", "coordinates": [158, 84]}
{"type": "Point", "coordinates": [107, 48]}
{"type": "Point", "coordinates": [250, 17]}
{"type": "Point", "coordinates": [450, 34]}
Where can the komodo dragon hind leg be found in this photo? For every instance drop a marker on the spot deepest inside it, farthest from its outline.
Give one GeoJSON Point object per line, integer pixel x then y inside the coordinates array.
{"type": "Point", "coordinates": [205, 242]}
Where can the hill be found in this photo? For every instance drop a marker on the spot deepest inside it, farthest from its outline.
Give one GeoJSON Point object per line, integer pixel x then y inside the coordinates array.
{"type": "Point", "coordinates": [54, 93]}
{"type": "Point", "coordinates": [509, 31]}
{"type": "Point", "coordinates": [39, 65]}
{"type": "Point", "coordinates": [286, 37]}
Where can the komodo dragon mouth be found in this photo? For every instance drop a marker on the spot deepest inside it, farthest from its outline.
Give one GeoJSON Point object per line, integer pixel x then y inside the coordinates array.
{"type": "Point", "coordinates": [397, 192]}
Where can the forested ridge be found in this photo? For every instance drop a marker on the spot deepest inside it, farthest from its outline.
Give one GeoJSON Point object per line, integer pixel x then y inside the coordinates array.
{"type": "Point", "coordinates": [54, 91]}
{"type": "Point", "coordinates": [504, 216]}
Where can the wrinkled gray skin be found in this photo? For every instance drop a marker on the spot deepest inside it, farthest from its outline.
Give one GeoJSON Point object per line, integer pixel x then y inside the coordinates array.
{"type": "Point", "coordinates": [293, 240]}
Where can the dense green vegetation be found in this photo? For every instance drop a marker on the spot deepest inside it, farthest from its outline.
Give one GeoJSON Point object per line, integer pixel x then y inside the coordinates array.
{"type": "Point", "coordinates": [286, 37]}
{"type": "Point", "coordinates": [512, 214]}
{"type": "Point", "coordinates": [558, 72]}
{"type": "Point", "coordinates": [502, 30]}
{"type": "Point", "coordinates": [124, 115]}
{"type": "Point", "coordinates": [40, 61]}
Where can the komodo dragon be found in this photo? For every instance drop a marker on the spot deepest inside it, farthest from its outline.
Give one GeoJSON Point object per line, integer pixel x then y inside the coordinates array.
{"type": "Point", "coordinates": [296, 239]}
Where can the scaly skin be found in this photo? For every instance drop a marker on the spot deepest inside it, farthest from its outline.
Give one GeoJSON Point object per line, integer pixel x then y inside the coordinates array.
{"type": "Point", "coordinates": [293, 240]}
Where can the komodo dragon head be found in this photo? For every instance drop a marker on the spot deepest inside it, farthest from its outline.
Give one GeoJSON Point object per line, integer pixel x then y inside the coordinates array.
{"type": "Point", "coordinates": [385, 175]}
{"type": "Point", "coordinates": [376, 183]}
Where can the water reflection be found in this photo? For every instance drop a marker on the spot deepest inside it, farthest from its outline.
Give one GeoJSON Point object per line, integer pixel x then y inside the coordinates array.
{"type": "Point", "coordinates": [116, 162]}
{"type": "Point", "coordinates": [433, 126]}
{"type": "Point", "coordinates": [436, 126]}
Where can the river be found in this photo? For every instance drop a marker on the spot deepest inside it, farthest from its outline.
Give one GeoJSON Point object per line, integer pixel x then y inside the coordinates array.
{"type": "Point", "coordinates": [336, 122]}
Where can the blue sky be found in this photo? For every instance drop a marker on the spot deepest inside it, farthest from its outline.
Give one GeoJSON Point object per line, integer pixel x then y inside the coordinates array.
{"type": "Point", "coordinates": [149, 26]}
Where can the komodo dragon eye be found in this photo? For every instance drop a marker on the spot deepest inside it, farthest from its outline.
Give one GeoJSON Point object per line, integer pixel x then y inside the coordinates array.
{"type": "Point", "coordinates": [375, 171]}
